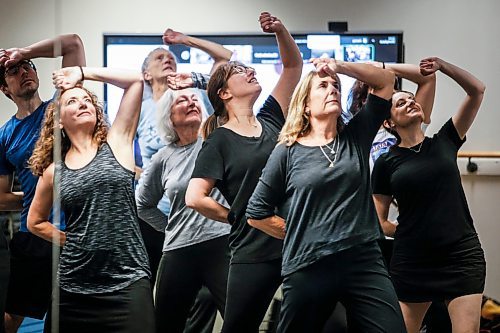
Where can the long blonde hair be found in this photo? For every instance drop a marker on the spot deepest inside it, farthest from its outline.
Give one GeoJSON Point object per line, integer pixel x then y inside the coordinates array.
{"type": "Point", "coordinates": [297, 123]}
{"type": "Point", "coordinates": [43, 154]}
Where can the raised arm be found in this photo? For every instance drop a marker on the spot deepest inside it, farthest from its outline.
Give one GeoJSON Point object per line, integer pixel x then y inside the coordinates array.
{"type": "Point", "coordinates": [382, 204]}
{"type": "Point", "coordinates": [9, 201]}
{"type": "Point", "coordinates": [381, 81]}
{"type": "Point", "coordinates": [218, 52]}
{"type": "Point", "coordinates": [69, 46]}
{"type": "Point", "coordinates": [472, 86]}
{"type": "Point", "coordinates": [426, 85]}
{"type": "Point", "coordinates": [38, 215]}
{"type": "Point", "coordinates": [149, 193]}
{"type": "Point", "coordinates": [290, 58]}
{"type": "Point", "coordinates": [124, 127]}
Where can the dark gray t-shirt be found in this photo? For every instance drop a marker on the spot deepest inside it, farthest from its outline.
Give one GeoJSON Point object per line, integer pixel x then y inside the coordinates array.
{"type": "Point", "coordinates": [169, 172]}
{"type": "Point", "coordinates": [104, 250]}
{"type": "Point", "coordinates": [329, 209]}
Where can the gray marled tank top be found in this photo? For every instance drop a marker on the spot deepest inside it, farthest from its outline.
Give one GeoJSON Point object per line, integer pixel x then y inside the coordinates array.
{"type": "Point", "coordinates": [104, 250]}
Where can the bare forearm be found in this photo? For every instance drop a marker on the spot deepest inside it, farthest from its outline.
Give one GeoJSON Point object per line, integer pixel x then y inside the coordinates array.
{"type": "Point", "coordinates": [410, 72]}
{"type": "Point", "coordinates": [289, 51]}
{"type": "Point", "coordinates": [216, 51]}
{"type": "Point", "coordinates": [376, 78]}
{"type": "Point", "coordinates": [11, 201]}
{"type": "Point", "coordinates": [47, 231]}
{"type": "Point", "coordinates": [117, 77]}
{"type": "Point", "coordinates": [62, 45]}
{"type": "Point", "coordinates": [273, 226]}
{"type": "Point", "coordinates": [210, 208]}
{"type": "Point", "coordinates": [472, 85]}
{"type": "Point", "coordinates": [388, 227]}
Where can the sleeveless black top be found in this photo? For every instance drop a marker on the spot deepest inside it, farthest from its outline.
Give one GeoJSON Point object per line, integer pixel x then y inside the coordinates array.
{"type": "Point", "coordinates": [104, 250]}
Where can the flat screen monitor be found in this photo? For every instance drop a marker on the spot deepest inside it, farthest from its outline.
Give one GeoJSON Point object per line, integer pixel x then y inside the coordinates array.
{"type": "Point", "coordinates": [256, 50]}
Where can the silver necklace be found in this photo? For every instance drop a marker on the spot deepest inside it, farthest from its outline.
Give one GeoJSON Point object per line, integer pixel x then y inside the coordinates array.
{"type": "Point", "coordinates": [332, 151]}
{"type": "Point", "coordinates": [419, 147]}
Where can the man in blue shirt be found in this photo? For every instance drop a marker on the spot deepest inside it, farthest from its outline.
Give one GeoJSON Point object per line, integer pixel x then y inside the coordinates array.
{"type": "Point", "coordinates": [30, 280]}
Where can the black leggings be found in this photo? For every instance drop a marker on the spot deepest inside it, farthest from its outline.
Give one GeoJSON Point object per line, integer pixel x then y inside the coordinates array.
{"type": "Point", "coordinates": [181, 274]}
{"type": "Point", "coordinates": [250, 289]}
{"type": "Point", "coordinates": [356, 277]}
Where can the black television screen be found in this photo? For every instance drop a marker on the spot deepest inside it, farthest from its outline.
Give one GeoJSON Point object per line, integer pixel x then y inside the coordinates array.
{"type": "Point", "coordinates": [257, 50]}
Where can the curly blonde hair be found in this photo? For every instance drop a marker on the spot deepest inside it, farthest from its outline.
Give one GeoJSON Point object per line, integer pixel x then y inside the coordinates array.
{"type": "Point", "coordinates": [297, 122]}
{"type": "Point", "coordinates": [43, 154]}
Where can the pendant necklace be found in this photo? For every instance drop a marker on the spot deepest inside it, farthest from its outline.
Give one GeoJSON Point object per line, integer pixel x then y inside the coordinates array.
{"type": "Point", "coordinates": [417, 150]}
{"type": "Point", "coordinates": [333, 151]}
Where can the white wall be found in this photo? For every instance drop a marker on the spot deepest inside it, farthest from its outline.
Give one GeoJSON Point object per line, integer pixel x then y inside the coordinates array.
{"type": "Point", "coordinates": [460, 31]}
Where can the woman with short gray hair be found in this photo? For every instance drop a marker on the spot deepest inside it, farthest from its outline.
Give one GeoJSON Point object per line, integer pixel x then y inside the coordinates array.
{"type": "Point", "coordinates": [195, 250]}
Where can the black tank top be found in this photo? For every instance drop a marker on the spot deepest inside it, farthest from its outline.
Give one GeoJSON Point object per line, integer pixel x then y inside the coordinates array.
{"type": "Point", "coordinates": [104, 250]}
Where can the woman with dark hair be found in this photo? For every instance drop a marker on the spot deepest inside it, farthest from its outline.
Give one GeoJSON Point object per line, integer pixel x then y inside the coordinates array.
{"type": "Point", "coordinates": [437, 255]}
{"type": "Point", "coordinates": [426, 87]}
{"type": "Point", "coordinates": [103, 270]}
{"type": "Point", "coordinates": [236, 149]}
{"type": "Point", "coordinates": [320, 172]}
{"type": "Point", "coordinates": [195, 250]}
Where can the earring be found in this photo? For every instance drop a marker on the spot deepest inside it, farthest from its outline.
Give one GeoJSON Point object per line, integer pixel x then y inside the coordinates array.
{"type": "Point", "coordinates": [63, 134]}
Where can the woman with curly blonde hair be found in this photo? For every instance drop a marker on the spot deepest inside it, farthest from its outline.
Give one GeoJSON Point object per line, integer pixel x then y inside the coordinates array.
{"type": "Point", "coordinates": [320, 173]}
{"type": "Point", "coordinates": [103, 269]}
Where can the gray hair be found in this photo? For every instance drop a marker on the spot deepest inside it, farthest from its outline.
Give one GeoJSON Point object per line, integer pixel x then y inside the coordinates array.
{"type": "Point", "coordinates": [164, 109]}
{"type": "Point", "coordinates": [146, 61]}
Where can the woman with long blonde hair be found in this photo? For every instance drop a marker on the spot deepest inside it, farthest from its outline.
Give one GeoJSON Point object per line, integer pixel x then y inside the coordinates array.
{"type": "Point", "coordinates": [320, 172]}
{"type": "Point", "coordinates": [103, 271]}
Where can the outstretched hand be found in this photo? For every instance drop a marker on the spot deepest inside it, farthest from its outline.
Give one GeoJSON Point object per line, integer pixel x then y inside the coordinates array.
{"type": "Point", "coordinates": [430, 65]}
{"type": "Point", "coordinates": [10, 57]}
{"type": "Point", "coordinates": [174, 37]}
{"type": "Point", "coordinates": [325, 66]}
{"type": "Point", "coordinates": [67, 78]}
{"type": "Point", "coordinates": [270, 23]}
{"type": "Point", "coordinates": [177, 81]}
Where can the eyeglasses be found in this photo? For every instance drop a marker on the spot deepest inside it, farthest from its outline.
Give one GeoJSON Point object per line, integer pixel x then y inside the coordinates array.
{"type": "Point", "coordinates": [25, 64]}
{"type": "Point", "coordinates": [243, 70]}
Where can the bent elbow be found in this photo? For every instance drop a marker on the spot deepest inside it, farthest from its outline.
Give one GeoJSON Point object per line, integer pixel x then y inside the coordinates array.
{"type": "Point", "coordinates": [191, 201]}
{"type": "Point", "coordinates": [252, 222]}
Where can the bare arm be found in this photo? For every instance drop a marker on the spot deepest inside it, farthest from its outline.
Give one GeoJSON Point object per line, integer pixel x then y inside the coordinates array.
{"type": "Point", "coordinates": [218, 52]}
{"type": "Point", "coordinates": [273, 226]}
{"type": "Point", "coordinates": [381, 81]}
{"type": "Point", "coordinates": [38, 215]}
{"type": "Point", "coordinates": [426, 85]}
{"type": "Point", "coordinates": [382, 204]}
{"type": "Point", "coordinates": [9, 201]}
{"type": "Point", "coordinates": [198, 198]}
{"type": "Point", "coordinates": [472, 86]}
{"type": "Point", "coordinates": [122, 133]}
{"type": "Point", "coordinates": [69, 46]}
{"type": "Point", "coordinates": [290, 57]}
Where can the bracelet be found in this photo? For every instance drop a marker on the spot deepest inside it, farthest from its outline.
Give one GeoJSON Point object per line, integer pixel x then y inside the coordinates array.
{"type": "Point", "coordinates": [81, 71]}
{"type": "Point", "coordinates": [383, 66]}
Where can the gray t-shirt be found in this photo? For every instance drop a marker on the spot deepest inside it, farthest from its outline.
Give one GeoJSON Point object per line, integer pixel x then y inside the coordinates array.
{"type": "Point", "coordinates": [329, 209]}
{"type": "Point", "coordinates": [169, 172]}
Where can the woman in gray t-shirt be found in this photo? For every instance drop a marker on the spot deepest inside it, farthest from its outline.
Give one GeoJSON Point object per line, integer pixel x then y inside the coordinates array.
{"type": "Point", "coordinates": [195, 250]}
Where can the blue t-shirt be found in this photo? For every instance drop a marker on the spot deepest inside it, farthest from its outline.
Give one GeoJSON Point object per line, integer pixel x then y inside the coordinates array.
{"type": "Point", "coordinates": [17, 140]}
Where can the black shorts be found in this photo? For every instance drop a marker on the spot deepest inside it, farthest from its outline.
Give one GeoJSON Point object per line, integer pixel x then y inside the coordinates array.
{"type": "Point", "coordinates": [30, 282]}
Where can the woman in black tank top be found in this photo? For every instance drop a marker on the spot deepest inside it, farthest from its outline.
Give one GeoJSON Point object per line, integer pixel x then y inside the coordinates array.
{"type": "Point", "coordinates": [103, 271]}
